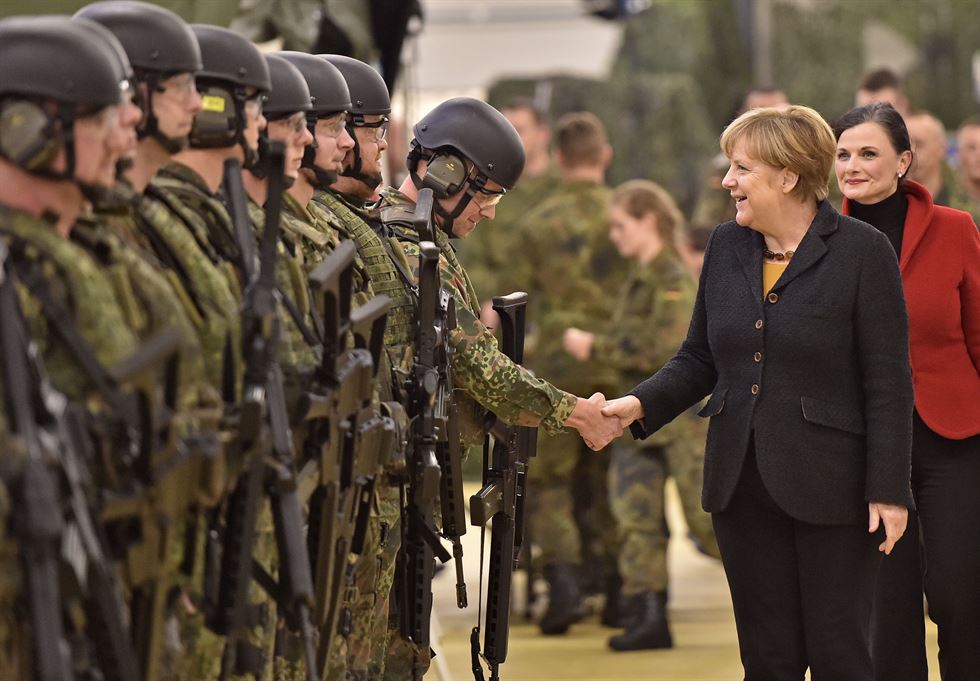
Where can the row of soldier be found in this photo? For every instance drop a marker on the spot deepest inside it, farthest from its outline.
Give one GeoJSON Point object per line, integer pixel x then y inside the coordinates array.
{"type": "Point", "coordinates": [236, 387]}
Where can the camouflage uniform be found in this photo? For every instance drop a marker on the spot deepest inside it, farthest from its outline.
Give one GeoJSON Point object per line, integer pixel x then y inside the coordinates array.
{"type": "Point", "coordinates": [376, 572]}
{"type": "Point", "coordinates": [202, 215]}
{"type": "Point", "coordinates": [70, 277]}
{"type": "Point", "coordinates": [648, 326]}
{"type": "Point", "coordinates": [489, 254]}
{"type": "Point", "coordinates": [569, 265]}
{"type": "Point", "coordinates": [957, 196]}
{"type": "Point", "coordinates": [484, 378]}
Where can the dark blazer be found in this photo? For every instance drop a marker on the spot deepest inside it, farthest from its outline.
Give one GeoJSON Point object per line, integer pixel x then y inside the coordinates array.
{"type": "Point", "coordinates": [940, 267]}
{"type": "Point", "coordinates": [819, 369]}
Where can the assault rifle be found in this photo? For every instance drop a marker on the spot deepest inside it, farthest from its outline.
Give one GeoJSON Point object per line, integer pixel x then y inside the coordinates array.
{"type": "Point", "coordinates": [269, 459]}
{"type": "Point", "coordinates": [346, 437]}
{"type": "Point", "coordinates": [50, 487]}
{"type": "Point", "coordinates": [501, 500]}
{"type": "Point", "coordinates": [429, 397]}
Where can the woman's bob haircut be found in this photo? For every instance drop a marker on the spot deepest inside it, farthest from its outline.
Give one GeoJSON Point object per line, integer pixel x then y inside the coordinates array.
{"type": "Point", "coordinates": [796, 138]}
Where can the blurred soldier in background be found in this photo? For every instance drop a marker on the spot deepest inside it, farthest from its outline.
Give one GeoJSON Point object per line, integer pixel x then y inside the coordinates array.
{"type": "Point", "coordinates": [882, 85]}
{"type": "Point", "coordinates": [968, 162]}
{"type": "Point", "coordinates": [647, 327]}
{"type": "Point", "coordinates": [569, 263]}
{"type": "Point", "coordinates": [489, 254]}
{"type": "Point", "coordinates": [929, 167]}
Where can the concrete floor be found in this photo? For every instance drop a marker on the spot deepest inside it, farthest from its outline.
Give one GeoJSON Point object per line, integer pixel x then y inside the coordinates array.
{"type": "Point", "coordinates": [706, 647]}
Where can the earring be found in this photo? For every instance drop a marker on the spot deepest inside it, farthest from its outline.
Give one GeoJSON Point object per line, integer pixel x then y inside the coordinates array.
{"type": "Point", "coordinates": [900, 174]}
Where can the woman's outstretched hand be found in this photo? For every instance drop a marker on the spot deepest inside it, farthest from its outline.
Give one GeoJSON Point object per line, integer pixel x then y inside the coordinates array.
{"type": "Point", "coordinates": [627, 409]}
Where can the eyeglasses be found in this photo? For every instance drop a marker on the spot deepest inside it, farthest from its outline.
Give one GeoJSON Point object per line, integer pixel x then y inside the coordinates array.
{"type": "Point", "coordinates": [253, 105]}
{"type": "Point", "coordinates": [332, 126]}
{"type": "Point", "coordinates": [182, 85]}
{"type": "Point", "coordinates": [488, 198]}
{"type": "Point", "coordinates": [380, 127]}
{"type": "Point", "coordinates": [295, 123]}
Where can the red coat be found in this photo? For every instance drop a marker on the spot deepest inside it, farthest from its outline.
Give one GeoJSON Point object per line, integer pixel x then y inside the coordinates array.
{"type": "Point", "coordinates": [940, 266]}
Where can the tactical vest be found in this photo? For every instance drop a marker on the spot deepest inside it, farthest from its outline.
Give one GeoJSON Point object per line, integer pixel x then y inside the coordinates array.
{"type": "Point", "coordinates": [388, 275]}
{"type": "Point", "coordinates": [72, 276]}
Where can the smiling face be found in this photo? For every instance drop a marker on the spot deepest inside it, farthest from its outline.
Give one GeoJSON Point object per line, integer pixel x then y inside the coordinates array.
{"type": "Point", "coordinates": [755, 186]}
{"type": "Point", "coordinates": [868, 165]}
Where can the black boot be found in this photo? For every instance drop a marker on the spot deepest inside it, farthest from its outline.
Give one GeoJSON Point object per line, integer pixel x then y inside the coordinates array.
{"type": "Point", "coordinates": [615, 612]}
{"type": "Point", "coordinates": [564, 599]}
{"type": "Point", "coordinates": [649, 629]}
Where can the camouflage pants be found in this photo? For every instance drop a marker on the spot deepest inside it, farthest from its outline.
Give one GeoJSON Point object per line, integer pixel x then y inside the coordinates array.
{"type": "Point", "coordinates": [555, 475]}
{"type": "Point", "coordinates": [202, 660]}
{"type": "Point", "coordinates": [636, 490]}
{"type": "Point", "coordinates": [368, 645]}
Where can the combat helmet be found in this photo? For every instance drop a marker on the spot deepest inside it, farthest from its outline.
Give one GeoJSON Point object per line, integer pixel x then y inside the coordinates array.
{"type": "Point", "coordinates": [159, 45]}
{"type": "Point", "coordinates": [328, 95]}
{"type": "Point", "coordinates": [78, 66]}
{"type": "Point", "coordinates": [466, 143]}
{"type": "Point", "coordinates": [369, 97]}
{"type": "Point", "coordinates": [230, 65]}
{"type": "Point", "coordinates": [289, 95]}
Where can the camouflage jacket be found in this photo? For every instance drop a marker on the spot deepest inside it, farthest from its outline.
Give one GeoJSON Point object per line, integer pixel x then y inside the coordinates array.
{"type": "Point", "coordinates": [147, 297]}
{"type": "Point", "coordinates": [480, 370]}
{"type": "Point", "coordinates": [71, 278]}
{"type": "Point", "coordinates": [385, 264]}
{"type": "Point", "coordinates": [295, 354]}
{"type": "Point", "coordinates": [571, 270]}
{"type": "Point", "coordinates": [648, 326]}
{"type": "Point", "coordinates": [179, 235]}
{"type": "Point", "coordinates": [489, 254]}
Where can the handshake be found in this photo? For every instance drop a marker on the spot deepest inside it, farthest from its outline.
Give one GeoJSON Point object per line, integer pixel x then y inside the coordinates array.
{"type": "Point", "coordinates": [599, 422]}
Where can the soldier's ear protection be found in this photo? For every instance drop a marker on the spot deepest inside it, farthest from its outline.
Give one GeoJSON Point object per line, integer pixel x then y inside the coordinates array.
{"type": "Point", "coordinates": [445, 174]}
{"type": "Point", "coordinates": [216, 124]}
{"type": "Point", "coordinates": [28, 134]}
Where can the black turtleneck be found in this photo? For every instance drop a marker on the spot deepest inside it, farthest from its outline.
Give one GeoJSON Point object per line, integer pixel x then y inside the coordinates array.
{"type": "Point", "coordinates": [888, 216]}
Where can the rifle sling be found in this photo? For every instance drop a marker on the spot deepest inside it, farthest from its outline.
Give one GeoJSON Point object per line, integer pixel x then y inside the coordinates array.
{"type": "Point", "coordinates": [58, 317]}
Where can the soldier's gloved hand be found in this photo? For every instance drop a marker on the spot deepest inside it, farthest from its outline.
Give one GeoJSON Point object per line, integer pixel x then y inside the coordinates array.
{"type": "Point", "coordinates": [625, 409]}
{"type": "Point", "coordinates": [578, 343]}
{"type": "Point", "coordinates": [596, 430]}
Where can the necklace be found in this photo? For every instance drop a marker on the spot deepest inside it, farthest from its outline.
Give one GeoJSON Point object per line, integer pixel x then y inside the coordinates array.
{"type": "Point", "coordinates": [766, 253]}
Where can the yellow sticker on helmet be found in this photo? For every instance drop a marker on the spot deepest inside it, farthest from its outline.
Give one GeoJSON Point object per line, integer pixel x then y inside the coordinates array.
{"type": "Point", "coordinates": [213, 103]}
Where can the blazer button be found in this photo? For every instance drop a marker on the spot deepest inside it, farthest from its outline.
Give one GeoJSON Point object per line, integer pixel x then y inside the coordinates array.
{"type": "Point", "coordinates": [758, 324]}
{"type": "Point", "coordinates": [757, 357]}
{"type": "Point", "coordinates": [755, 389]}
{"type": "Point", "coordinates": [772, 297]}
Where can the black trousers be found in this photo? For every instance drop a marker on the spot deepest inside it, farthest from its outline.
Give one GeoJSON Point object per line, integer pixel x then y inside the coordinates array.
{"type": "Point", "coordinates": [943, 550]}
{"type": "Point", "coordinates": [802, 593]}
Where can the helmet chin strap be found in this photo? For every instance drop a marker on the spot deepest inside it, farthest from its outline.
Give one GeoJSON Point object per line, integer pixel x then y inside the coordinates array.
{"type": "Point", "coordinates": [355, 171]}
{"type": "Point", "coordinates": [151, 128]}
{"type": "Point", "coordinates": [324, 177]}
{"type": "Point", "coordinates": [260, 168]}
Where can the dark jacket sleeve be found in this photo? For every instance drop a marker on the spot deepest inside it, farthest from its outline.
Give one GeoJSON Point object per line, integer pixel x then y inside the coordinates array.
{"type": "Point", "coordinates": [687, 377]}
{"type": "Point", "coordinates": [882, 337]}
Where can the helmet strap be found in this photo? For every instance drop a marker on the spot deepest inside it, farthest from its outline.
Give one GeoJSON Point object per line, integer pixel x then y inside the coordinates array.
{"type": "Point", "coordinates": [151, 125]}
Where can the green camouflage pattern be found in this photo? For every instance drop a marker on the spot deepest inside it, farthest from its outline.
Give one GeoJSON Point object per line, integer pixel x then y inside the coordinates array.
{"type": "Point", "coordinates": [480, 370]}
{"type": "Point", "coordinates": [648, 325]}
{"type": "Point", "coordinates": [957, 195]}
{"type": "Point", "coordinates": [211, 284]}
{"type": "Point", "coordinates": [295, 355]}
{"type": "Point", "coordinates": [389, 528]}
{"type": "Point", "coordinates": [382, 258]}
{"type": "Point", "coordinates": [565, 258]}
{"type": "Point", "coordinates": [488, 253]}
{"type": "Point", "coordinates": [75, 280]}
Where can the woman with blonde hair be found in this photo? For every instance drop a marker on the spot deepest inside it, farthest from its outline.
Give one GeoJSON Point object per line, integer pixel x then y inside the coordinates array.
{"type": "Point", "coordinates": [800, 335]}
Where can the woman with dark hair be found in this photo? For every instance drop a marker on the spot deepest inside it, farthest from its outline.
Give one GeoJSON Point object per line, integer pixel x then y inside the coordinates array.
{"type": "Point", "coordinates": [799, 332]}
{"type": "Point", "coordinates": [939, 258]}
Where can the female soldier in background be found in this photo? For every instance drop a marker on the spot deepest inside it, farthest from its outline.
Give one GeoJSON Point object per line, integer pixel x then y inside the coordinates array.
{"type": "Point", "coordinates": [646, 329]}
